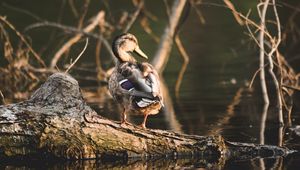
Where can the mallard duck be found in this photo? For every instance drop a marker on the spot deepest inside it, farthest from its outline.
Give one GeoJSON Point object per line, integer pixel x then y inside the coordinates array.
{"type": "Point", "coordinates": [132, 84]}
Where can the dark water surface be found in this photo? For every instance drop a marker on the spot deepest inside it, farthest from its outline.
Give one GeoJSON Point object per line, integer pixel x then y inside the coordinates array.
{"type": "Point", "coordinates": [213, 97]}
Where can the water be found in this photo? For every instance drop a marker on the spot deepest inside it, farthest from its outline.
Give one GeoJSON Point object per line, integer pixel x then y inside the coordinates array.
{"type": "Point", "coordinates": [213, 97]}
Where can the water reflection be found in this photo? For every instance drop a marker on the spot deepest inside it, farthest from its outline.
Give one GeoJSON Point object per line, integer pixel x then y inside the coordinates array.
{"type": "Point", "coordinates": [132, 164]}
{"type": "Point", "coordinates": [290, 162]}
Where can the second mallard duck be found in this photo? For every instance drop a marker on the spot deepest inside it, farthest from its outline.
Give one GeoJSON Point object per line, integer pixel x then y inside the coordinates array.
{"type": "Point", "coordinates": [132, 84]}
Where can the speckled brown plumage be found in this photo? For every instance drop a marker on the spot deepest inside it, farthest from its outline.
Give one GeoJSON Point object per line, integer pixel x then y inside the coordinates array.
{"type": "Point", "coordinates": [132, 84]}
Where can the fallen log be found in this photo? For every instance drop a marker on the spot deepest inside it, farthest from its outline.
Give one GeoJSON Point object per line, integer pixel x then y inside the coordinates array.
{"type": "Point", "coordinates": [56, 122]}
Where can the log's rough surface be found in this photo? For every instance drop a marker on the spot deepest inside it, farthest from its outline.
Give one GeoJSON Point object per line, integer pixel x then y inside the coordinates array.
{"type": "Point", "coordinates": [57, 122]}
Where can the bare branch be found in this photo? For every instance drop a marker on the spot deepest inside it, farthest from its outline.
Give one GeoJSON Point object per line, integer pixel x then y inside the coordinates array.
{"type": "Point", "coordinates": [262, 53]}
{"type": "Point", "coordinates": [186, 59]}
{"type": "Point", "coordinates": [23, 40]}
{"type": "Point", "coordinates": [26, 12]}
{"type": "Point", "coordinates": [162, 55]}
{"type": "Point", "coordinates": [85, 9]}
{"type": "Point", "coordinates": [86, 43]}
{"type": "Point", "coordinates": [73, 8]}
{"type": "Point", "coordinates": [98, 19]}
{"type": "Point", "coordinates": [236, 16]}
{"type": "Point", "coordinates": [254, 75]}
{"type": "Point", "coordinates": [271, 65]}
{"type": "Point", "coordinates": [134, 16]}
{"type": "Point", "coordinates": [2, 98]}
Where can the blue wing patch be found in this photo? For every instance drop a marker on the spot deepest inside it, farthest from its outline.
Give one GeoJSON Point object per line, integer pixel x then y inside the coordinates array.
{"type": "Point", "coordinates": [126, 84]}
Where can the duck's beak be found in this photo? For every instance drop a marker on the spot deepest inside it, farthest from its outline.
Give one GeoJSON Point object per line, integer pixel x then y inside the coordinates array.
{"type": "Point", "coordinates": [140, 53]}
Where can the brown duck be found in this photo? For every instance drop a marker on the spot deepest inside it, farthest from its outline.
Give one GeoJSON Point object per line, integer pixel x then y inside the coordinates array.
{"type": "Point", "coordinates": [132, 84]}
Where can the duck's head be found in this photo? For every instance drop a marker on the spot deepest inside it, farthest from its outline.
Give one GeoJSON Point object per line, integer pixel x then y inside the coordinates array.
{"type": "Point", "coordinates": [125, 44]}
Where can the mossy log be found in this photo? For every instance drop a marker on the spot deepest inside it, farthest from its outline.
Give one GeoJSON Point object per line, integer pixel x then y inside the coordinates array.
{"type": "Point", "coordinates": [57, 122]}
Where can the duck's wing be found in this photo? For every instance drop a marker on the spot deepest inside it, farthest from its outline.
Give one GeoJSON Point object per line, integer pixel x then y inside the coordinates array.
{"type": "Point", "coordinates": [142, 82]}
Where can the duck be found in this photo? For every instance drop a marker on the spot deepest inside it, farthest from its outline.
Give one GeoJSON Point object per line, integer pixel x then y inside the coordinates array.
{"type": "Point", "coordinates": [134, 85]}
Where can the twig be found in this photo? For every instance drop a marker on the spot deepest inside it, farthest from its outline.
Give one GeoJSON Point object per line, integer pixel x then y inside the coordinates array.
{"type": "Point", "coordinates": [57, 68]}
{"type": "Point", "coordinates": [249, 29]}
{"type": "Point", "coordinates": [86, 43]}
{"type": "Point", "coordinates": [145, 25]}
{"type": "Point", "coordinates": [251, 22]}
{"type": "Point", "coordinates": [271, 66]}
{"type": "Point", "coordinates": [23, 40]}
{"type": "Point", "coordinates": [185, 57]}
{"type": "Point", "coordinates": [85, 9]}
{"type": "Point", "coordinates": [134, 16]}
{"type": "Point", "coordinates": [63, 27]}
{"type": "Point", "coordinates": [2, 97]}
{"type": "Point", "coordinates": [199, 13]}
{"type": "Point", "coordinates": [236, 16]}
{"type": "Point", "coordinates": [53, 33]}
{"type": "Point", "coordinates": [74, 30]}
{"type": "Point", "coordinates": [168, 10]}
{"type": "Point", "coordinates": [73, 8]}
{"type": "Point", "coordinates": [41, 70]}
{"type": "Point", "coordinates": [100, 72]}
{"type": "Point", "coordinates": [262, 53]}
{"type": "Point", "coordinates": [22, 11]}
{"type": "Point", "coordinates": [254, 75]}
{"type": "Point", "coordinates": [98, 19]}
{"type": "Point", "coordinates": [291, 87]}
{"type": "Point", "coordinates": [8, 49]}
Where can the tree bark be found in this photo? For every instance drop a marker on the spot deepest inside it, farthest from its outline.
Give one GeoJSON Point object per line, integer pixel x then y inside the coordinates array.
{"type": "Point", "coordinates": [57, 122]}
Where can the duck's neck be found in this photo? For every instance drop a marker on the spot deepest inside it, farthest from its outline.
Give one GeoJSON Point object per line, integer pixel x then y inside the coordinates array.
{"type": "Point", "coordinates": [123, 56]}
